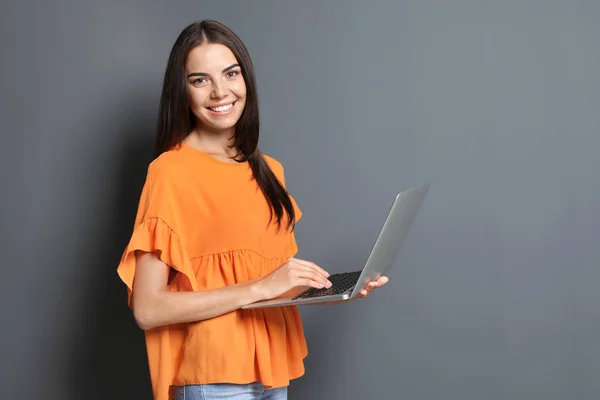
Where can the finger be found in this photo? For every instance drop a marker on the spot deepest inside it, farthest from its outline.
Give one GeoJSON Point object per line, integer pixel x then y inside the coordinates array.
{"type": "Point", "coordinates": [362, 294]}
{"type": "Point", "coordinates": [308, 272]}
{"type": "Point", "coordinates": [319, 278]}
{"type": "Point", "coordinates": [376, 285]}
{"type": "Point", "coordinates": [317, 268]}
{"type": "Point", "coordinates": [309, 282]}
{"type": "Point", "coordinates": [382, 281]}
{"type": "Point", "coordinates": [312, 265]}
{"type": "Point", "coordinates": [304, 271]}
{"type": "Point", "coordinates": [369, 288]}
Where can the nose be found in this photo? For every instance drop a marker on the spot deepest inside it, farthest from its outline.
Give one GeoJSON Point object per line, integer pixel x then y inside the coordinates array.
{"type": "Point", "coordinates": [218, 90]}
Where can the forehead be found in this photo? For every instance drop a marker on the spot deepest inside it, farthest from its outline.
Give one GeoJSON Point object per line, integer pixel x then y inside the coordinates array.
{"type": "Point", "coordinates": [210, 58]}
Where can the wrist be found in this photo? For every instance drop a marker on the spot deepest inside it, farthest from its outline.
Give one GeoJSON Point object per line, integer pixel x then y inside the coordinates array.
{"type": "Point", "coordinates": [258, 290]}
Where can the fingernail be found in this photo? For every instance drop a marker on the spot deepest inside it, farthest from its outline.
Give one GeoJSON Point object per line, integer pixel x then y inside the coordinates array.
{"type": "Point", "coordinates": [320, 286]}
{"type": "Point", "coordinates": [328, 284]}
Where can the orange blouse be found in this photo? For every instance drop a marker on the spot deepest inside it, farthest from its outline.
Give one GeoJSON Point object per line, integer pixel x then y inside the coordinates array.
{"type": "Point", "coordinates": [208, 220]}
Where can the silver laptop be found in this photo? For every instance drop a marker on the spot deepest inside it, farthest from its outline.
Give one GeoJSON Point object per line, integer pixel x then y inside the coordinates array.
{"type": "Point", "coordinates": [348, 285]}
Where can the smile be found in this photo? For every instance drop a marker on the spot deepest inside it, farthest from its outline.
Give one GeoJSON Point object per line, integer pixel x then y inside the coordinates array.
{"type": "Point", "coordinates": [222, 109]}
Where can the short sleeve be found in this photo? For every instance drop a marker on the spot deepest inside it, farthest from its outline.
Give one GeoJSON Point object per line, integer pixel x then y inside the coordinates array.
{"type": "Point", "coordinates": [155, 230]}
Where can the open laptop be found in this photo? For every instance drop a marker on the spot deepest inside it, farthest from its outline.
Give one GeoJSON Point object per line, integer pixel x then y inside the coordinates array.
{"type": "Point", "coordinates": [347, 285]}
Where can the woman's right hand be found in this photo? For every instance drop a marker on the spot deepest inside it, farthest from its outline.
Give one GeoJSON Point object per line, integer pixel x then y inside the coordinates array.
{"type": "Point", "coordinates": [294, 273]}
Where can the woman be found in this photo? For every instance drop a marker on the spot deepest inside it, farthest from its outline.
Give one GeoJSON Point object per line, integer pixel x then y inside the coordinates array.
{"type": "Point", "coordinates": [214, 232]}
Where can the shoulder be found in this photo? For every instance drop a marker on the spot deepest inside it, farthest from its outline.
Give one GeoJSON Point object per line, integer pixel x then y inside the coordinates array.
{"type": "Point", "coordinates": [168, 174]}
{"type": "Point", "coordinates": [168, 166]}
{"type": "Point", "coordinates": [167, 186]}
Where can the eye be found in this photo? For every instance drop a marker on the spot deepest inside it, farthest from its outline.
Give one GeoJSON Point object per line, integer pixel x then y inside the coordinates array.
{"type": "Point", "coordinates": [232, 74]}
{"type": "Point", "coordinates": [199, 81]}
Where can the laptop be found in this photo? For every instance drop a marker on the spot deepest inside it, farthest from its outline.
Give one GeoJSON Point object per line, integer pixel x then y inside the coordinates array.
{"type": "Point", "coordinates": [347, 285]}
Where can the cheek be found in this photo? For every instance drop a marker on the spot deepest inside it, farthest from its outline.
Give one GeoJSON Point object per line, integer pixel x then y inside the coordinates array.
{"type": "Point", "coordinates": [239, 89]}
{"type": "Point", "coordinates": [197, 98]}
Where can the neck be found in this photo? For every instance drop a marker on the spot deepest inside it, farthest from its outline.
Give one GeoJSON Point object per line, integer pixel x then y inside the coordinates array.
{"type": "Point", "coordinates": [214, 142]}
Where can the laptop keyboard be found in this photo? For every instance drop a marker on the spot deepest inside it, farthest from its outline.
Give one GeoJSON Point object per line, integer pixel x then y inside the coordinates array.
{"type": "Point", "coordinates": [339, 284]}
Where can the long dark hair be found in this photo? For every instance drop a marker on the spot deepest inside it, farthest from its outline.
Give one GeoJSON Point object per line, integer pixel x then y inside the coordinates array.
{"type": "Point", "coordinates": [176, 120]}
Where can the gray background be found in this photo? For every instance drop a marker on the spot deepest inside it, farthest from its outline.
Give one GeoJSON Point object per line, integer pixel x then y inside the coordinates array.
{"type": "Point", "coordinates": [495, 294]}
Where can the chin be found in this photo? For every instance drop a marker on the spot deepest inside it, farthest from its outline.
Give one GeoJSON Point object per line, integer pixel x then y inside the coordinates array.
{"type": "Point", "coordinates": [219, 125]}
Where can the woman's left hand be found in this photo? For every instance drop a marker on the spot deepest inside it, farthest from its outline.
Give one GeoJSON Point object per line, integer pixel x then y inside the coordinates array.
{"type": "Point", "coordinates": [371, 286]}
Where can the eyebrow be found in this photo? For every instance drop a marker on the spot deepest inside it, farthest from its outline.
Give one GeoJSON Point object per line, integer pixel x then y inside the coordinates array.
{"type": "Point", "coordinates": [205, 74]}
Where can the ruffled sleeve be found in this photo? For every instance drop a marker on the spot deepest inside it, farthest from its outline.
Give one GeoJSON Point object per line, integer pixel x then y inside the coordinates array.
{"type": "Point", "coordinates": [155, 230]}
{"type": "Point", "coordinates": [154, 235]}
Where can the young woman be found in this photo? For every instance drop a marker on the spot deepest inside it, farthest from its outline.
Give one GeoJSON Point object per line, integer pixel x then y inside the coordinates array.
{"type": "Point", "coordinates": [214, 232]}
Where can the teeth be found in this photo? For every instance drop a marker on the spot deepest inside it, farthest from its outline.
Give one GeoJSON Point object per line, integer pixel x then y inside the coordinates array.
{"type": "Point", "coordinates": [223, 108]}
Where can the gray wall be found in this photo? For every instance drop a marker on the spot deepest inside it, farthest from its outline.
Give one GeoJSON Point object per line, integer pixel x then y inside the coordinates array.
{"type": "Point", "coordinates": [494, 295]}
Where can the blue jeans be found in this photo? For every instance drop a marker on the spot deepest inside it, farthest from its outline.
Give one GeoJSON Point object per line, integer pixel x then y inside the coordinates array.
{"type": "Point", "coordinates": [229, 391]}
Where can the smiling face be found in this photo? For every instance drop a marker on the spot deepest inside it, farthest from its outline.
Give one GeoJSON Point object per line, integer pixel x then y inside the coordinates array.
{"type": "Point", "coordinates": [216, 87]}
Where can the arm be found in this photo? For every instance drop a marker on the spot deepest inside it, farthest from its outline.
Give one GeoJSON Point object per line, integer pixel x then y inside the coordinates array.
{"type": "Point", "coordinates": [154, 306]}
